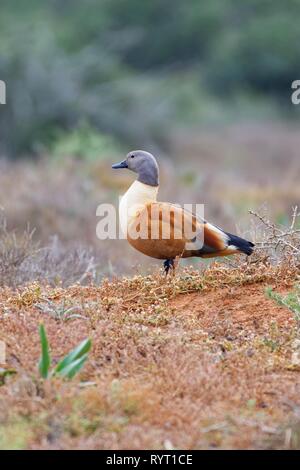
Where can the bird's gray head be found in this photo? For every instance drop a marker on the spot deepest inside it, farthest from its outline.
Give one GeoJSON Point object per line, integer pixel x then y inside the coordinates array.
{"type": "Point", "coordinates": [142, 163]}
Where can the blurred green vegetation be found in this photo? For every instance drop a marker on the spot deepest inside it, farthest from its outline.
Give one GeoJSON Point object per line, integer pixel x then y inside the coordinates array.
{"type": "Point", "coordinates": [83, 142]}
{"type": "Point", "coordinates": [132, 70]}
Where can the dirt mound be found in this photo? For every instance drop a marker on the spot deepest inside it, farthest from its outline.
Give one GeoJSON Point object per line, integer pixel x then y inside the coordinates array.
{"type": "Point", "coordinates": [178, 363]}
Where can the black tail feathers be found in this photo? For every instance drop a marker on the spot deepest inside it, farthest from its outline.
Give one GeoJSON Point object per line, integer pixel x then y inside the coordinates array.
{"type": "Point", "coordinates": [242, 245]}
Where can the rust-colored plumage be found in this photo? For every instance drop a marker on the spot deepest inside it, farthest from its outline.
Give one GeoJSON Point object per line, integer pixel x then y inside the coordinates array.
{"type": "Point", "coordinates": [158, 215]}
{"type": "Point", "coordinates": [166, 231]}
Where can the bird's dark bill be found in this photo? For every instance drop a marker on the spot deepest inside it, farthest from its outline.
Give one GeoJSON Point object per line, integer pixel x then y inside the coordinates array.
{"type": "Point", "coordinates": [122, 164]}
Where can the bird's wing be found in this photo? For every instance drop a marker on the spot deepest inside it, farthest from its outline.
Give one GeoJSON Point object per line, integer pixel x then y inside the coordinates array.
{"type": "Point", "coordinates": [177, 232]}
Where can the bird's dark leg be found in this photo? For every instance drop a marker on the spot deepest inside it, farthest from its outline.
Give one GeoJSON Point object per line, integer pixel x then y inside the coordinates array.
{"type": "Point", "coordinates": [168, 264]}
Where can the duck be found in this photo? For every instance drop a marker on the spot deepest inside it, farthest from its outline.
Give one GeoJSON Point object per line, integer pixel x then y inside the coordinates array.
{"type": "Point", "coordinates": [167, 231]}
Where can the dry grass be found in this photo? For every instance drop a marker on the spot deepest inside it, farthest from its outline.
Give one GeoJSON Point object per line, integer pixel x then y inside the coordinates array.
{"type": "Point", "coordinates": [14, 250]}
{"type": "Point", "coordinates": [202, 360]}
{"type": "Point", "coordinates": [23, 261]}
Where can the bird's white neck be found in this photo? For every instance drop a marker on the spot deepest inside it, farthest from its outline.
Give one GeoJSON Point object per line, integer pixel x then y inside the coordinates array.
{"type": "Point", "coordinates": [140, 193]}
{"type": "Point", "coordinates": [137, 196]}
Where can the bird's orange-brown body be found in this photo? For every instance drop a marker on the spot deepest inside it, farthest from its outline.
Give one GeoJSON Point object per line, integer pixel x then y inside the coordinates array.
{"type": "Point", "coordinates": [166, 231]}
{"type": "Point", "coordinates": [158, 215]}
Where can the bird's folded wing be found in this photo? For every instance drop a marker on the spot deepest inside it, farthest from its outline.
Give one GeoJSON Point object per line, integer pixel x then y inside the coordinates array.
{"type": "Point", "coordinates": [170, 222]}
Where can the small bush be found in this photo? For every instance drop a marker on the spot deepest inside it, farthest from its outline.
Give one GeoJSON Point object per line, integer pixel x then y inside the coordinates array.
{"type": "Point", "coordinates": [278, 243]}
{"type": "Point", "coordinates": [84, 142]}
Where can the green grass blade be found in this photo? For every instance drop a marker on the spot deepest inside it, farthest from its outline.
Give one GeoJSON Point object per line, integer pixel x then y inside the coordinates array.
{"type": "Point", "coordinates": [44, 363]}
{"type": "Point", "coordinates": [80, 350]}
{"type": "Point", "coordinates": [71, 369]}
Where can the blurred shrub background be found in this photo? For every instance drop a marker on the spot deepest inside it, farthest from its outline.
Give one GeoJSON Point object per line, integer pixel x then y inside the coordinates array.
{"type": "Point", "coordinates": [207, 84]}
{"type": "Point", "coordinates": [132, 69]}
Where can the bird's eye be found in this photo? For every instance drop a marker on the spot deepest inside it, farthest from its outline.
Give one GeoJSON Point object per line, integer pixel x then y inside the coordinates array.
{"type": "Point", "coordinates": [132, 156]}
